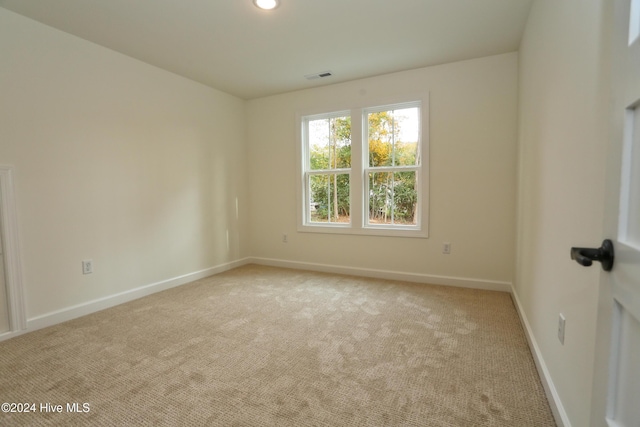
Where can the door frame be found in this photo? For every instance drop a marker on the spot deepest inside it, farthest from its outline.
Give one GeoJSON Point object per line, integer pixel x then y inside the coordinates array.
{"type": "Point", "coordinates": [11, 251]}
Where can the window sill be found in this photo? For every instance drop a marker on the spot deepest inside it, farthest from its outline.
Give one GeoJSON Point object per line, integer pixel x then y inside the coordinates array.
{"type": "Point", "coordinates": [347, 229]}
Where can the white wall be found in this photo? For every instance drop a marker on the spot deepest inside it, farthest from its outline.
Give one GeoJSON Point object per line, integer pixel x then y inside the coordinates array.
{"type": "Point", "coordinates": [562, 158]}
{"type": "Point", "coordinates": [473, 133]}
{"type": "Point", "coordinates": [142, 170]}
{"type": "Point", "coordinates": [117, 161]}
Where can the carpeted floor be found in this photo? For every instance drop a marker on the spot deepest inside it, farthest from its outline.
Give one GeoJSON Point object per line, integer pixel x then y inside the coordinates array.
{"type": "Point", "coordinates": [261, 346]}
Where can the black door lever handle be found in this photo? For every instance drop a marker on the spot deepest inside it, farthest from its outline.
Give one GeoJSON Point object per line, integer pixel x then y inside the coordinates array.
{"type": "Point", "coordinates": [603, 254]}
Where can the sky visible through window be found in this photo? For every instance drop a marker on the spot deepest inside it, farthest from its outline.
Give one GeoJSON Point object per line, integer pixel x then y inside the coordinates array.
{"type": "Point", "coordinates": [407, 118]}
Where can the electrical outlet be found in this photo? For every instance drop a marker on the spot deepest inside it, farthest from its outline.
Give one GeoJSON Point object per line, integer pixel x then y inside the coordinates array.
{"type": "Point", "coordinates": [561, 321]}
{"type": "Point", "coordinates": [87, 266]}
{"type": "Point", "coordinates": [446, 248]}
{"type": "Point", "coordinates": [285, 238]}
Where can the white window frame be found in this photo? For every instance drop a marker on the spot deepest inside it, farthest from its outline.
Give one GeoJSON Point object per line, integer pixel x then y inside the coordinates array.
{"type": "Point", "coordinates": [307, 173]}
{"type": "Point", "coordinates": [358, 173]}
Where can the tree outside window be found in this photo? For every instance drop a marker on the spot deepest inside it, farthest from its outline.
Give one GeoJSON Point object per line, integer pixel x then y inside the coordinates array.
{"type": "Point", "coordinates": [373, 186]}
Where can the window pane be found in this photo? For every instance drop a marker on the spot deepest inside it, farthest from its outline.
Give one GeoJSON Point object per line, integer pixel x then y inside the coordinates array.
{"type": "Point", "coordinates": [393, 137]}
{"type": "Point", "coordinates": [406, 146]}
{"type": "Point", "coordinates": [380, 197]}
{"type": "Point", "coordinates": [319, 144]}
{"type": "Point", "coordinates": [393, 198]}
{"type": "Point", "coordinates": [381, 138]}
{"type": "Point", "coordinates": [330, 143]}
{"type": "Point", "coordinates": [329, 198]}
{"type": "Point", "coordinates": [405, 198]}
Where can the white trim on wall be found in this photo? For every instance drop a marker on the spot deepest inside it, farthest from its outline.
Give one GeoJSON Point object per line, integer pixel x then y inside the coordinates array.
{"type": "Point", "coordinates": [559, 413]}
{"type": "Point", "coordinates": [11, 251]}
{"type": "Point", "coordinates": [460, 282]}
{"type": "Point", "coordinates": [59, 316]}
{"type": "Point", "coordinates": [68, 313]}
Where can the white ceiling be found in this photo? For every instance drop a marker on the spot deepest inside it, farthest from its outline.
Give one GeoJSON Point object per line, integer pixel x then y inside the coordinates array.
{"type": "Point", "coordinates": [235, 47]}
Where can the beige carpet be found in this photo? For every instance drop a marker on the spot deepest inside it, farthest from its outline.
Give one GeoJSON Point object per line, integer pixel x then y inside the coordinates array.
{"type": "Point", "coordinates": [260, 346]}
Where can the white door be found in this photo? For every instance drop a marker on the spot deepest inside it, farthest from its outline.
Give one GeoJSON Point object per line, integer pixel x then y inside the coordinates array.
{"type": "Point", "coordinates": [619, 312]}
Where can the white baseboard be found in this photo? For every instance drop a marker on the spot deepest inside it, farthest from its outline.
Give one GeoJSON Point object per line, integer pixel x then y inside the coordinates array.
{"type": "Point", "coordinates": [89, 307]}
{"type": "Point", "coordinates": [461, 282]}
{"type": "Point", "coordinates": [559, 413]}
{"type": "Point", "coordinates": [68, 313]}
{"type": "Point", "coordinates": [83, 309]}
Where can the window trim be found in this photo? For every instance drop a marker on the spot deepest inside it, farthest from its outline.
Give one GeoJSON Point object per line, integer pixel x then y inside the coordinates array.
{"type": "Point", "coordinates": [304, 120]}
{"type": "Point", "coordinates": [360, 169]}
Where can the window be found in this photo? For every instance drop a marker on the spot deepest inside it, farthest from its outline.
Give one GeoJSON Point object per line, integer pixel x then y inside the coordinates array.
{"type": "Point", "coordinates": [364, 171]}
{"type": "Point", "coordinates": [328, 169]}
{"type": "Point", "coordinates": [393, 154]}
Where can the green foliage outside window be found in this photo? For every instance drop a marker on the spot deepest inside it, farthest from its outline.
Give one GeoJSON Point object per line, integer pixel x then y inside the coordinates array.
{"type": "Point", "coordinates": [330, 149]}
{"type": "Point", "coordinates": [392, 195]}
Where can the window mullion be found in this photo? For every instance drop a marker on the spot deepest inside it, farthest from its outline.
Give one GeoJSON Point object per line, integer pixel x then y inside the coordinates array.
{"type": "Point", "coordinates": [356, 178]}
{"type": "Point", "coordinates": [326, 171]}
{"type": "Point", "coordinates": [393, 140]}
{"type": "Point", "coordinates": [393, 198]}
{"type": "Point", "coordinates": [306, 196]}
{"type": "Point", "coordinates": [380, 169]}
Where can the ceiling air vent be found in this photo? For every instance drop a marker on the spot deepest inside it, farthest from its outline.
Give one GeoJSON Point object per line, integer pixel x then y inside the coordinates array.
{"type": "Point", "coordinates": [318, 75]}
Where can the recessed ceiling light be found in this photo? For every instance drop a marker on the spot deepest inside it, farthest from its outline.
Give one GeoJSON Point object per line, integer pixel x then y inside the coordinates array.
{"type": "Point", "coordinates": [266, 4]}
